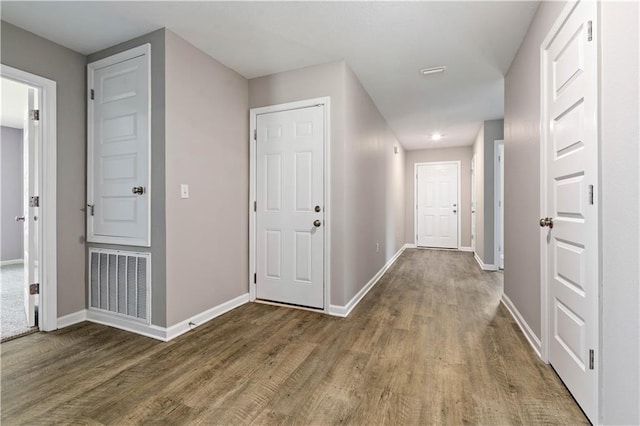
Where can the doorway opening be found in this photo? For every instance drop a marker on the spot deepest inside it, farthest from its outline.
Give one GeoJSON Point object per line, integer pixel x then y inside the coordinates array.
{"type": "Point", "coordinates": [19, 182]}
{"type": "Point", "coordinates": [27, 191]}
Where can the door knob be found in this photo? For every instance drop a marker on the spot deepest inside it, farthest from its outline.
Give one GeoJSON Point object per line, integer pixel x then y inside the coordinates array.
{"type": "Point", "coordinates": [546, 221]}
{"type": "Point", "coordinates": [138, 190]}
{"type": "Point", "coordinates": [455, 211]}
{"type": "Point", "coordinates": [20, 219]}
{"type": "Point", "coordinates": [317, 223]}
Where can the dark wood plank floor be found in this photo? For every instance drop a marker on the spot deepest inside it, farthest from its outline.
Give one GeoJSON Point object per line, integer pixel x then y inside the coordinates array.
{"type": "Point", "coordinates": [430, 344]}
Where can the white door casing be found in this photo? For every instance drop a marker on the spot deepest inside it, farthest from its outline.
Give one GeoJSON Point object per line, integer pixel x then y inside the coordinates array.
{"type": "Point", "coordinates": [119, 149]}
{"type": "Point", "coordinates": [30, 212]}
{"type": "Point", "coordinates": [569, 158]}
{"type": "Point", "coordinates": [498, 223]}
{"type": "Point", "coordinates": [437, 204]}
{"type": "Point", "coordinates": [289, 199]}
{"type": "Point", "coordinates": [473, 203]}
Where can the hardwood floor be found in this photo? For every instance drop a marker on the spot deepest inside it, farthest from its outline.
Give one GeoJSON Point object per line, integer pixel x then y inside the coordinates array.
{"type": "Point", "coordinates": [430, 344]}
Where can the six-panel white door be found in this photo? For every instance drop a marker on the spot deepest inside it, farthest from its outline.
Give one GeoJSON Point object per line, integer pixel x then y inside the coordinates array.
{"type": "Point", "coordinates": [571, 249]}
{"type": "Point", "coordinates": [119, 150]}
{"type": "Point", "coordinates": [289, 220]}
{"type": "Point", "coordinates": [437, 205]}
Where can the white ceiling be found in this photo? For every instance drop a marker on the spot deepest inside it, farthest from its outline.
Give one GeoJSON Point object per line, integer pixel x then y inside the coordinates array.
{"type": "Point", "coordinates": [385, 43]}
{"type": "Point", "coordinates": [13, 107]}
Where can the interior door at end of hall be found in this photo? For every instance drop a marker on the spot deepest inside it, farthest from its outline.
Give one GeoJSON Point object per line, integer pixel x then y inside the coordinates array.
{"type": "Point", "coordinates": [437, 205]}
{"type": "Point", "coordinates": [290, 205]}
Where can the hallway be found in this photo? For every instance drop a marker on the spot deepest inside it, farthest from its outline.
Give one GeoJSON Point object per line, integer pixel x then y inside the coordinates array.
{"type": "Point", "coordinates": [429, 344]}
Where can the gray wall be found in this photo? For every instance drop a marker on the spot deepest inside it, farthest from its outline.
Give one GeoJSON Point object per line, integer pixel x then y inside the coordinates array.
{"type": "Point", "coordinates": [28, 52]}
{"type": "Point", "coordinates": [367, 189]}
{"type": "Point", "coordinates": [12, 205]}
{"type": "Point", "coordinates": [158, 231]}
{"type": "Point", "coordinates": [620, 142]}
{"type": "Point", "coordinates": [463, 155]}
{"type": "Point", "coordinates": [484, 148]}
{"type": "Point", "coordinates": [493, 131]}
{"type": "Point", "coordinates": [207, 133]}
{"type": "Point", "coordinates": [620, 342]}
{"type": "Point", "coordinates": [374, 184]}
{"type": "Point", "coordinates": [522, 170]}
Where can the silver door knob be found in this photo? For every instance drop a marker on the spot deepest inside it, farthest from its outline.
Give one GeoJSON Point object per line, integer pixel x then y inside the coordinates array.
{"type": "Point", "coordinates": [317, 223]}
{"type": "Point", "coordinates": [138, 190]}
{"type": "Point", "coordinates": [546, 221]}
{"type": "Point", "coordinates": [20, 219]}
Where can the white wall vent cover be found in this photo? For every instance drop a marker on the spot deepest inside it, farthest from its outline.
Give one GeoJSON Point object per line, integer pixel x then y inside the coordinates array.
{"type": "Point", "coordinates": [119, 283]}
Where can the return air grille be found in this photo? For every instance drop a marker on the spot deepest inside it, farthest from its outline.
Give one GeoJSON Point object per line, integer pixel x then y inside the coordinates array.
{"type": "Point", "coordinates": [119, 283]}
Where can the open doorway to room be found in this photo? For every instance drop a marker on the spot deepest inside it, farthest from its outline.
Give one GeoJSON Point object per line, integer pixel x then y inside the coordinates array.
{"type": "Point", "coordinates": [18, 193]}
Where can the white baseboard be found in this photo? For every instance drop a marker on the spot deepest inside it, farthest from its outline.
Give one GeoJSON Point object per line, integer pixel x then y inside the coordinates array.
{"type": "Point", "coordinates": [150, 330]}
{"type": "Point", "coordinates": [72, 318]}
{"type": "Point", "coordinates": [11, 262]}
{"type": "Point", "coordinates": [534, 341]}
{"type": "Point", "coordinates": [199, 319]}
{"type": "Point", "coordinates": [465, 249]}
{"type": "Point", "coordinates": [484, 266]}
{"type": "Point", "coordinates": [343, 311]}
{"type": "Point", "coordinates": [406, 246]}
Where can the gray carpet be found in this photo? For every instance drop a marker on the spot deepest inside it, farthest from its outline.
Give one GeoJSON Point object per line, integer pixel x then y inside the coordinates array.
{"type": "Point", "coordinates": [13, 321]}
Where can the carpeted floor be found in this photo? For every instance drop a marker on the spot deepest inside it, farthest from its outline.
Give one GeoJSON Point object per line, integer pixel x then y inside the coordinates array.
{"type": "Point", "coordinates": [13, 321]}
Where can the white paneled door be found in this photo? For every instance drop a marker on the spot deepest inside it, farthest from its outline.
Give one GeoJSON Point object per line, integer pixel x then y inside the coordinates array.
{"type": "Point", "coordinates": [289, 207]}
{"type": "Point", "coordinates": [570, 228]}
{"type": "Point", "coordinates": [437, 205]}
{"type": "Point", "coordinates": [119, 149]}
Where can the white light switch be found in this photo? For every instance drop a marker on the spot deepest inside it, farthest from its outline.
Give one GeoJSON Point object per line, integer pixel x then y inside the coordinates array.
{"type": "Point", "coordinates": [184, 190]}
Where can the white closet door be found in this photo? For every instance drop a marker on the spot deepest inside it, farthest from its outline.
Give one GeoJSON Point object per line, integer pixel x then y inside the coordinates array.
{"type": "Point", "coordinates": [119, 149]}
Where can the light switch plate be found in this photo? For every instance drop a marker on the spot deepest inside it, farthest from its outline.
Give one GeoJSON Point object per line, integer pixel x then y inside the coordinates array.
{"type": "Point", "coordinates": [184, 190]}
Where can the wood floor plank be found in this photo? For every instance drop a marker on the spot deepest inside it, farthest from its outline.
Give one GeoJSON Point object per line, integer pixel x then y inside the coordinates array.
{"type": "Point", "coordinates": [429, 344]}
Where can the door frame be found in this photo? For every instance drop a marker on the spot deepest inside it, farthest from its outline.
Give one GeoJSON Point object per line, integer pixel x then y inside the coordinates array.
{"type": "Point", "coordinates": [253, 215]}
{"type": "Point", "coordinates": [473, 203]}
{"type": "Point", "coordinates": [546, 322]}
{"type": "Point", "coordinates": [415, 197]}
{"type": "Point", "coordinates": [142, 50]}
{"type": "Point", "coordinates": [47, 221]}
{"type": "Point", "coordinates": [497, 187]}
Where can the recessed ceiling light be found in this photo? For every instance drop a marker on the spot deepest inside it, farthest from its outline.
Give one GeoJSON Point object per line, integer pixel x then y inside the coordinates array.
{"type": "Point", "coordinates": [436, 136]}
{"type": "Point", "coordinates": [434, 70]}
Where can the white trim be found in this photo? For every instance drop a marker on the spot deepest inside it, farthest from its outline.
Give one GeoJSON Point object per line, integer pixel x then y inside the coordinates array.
{"type": "Point", "coordinates": [124, 323]}
{"type": "Point", "coordinates": [484, 266]}
{"type": "Point", "coordinates": [164, 334]}
{"type": "Point", "coordinates": [496, 208]}
{"type": "Point", "coordinates": [184, 326]}
{"type": "Point", "coordinates": [143, 50]}
{"type": "Point", "coordinates": [343, 311]}
{"type": "Point", "coordinates": [72, 318]}
{"type": "Point", "coordinates": [253, 114]}
{"type": "Point", "coordinates": [11, 262]}
{"type": "Point", "coordinates": [466, 249]}
{"type": "Point", "coordinates": [415, 198]}
{"type": "Point", "coordinates": [47, 225]}
{"type": "Point", "coordinates": [533, 340]}
{"type": "Point", "coordinates": [409, 245]}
